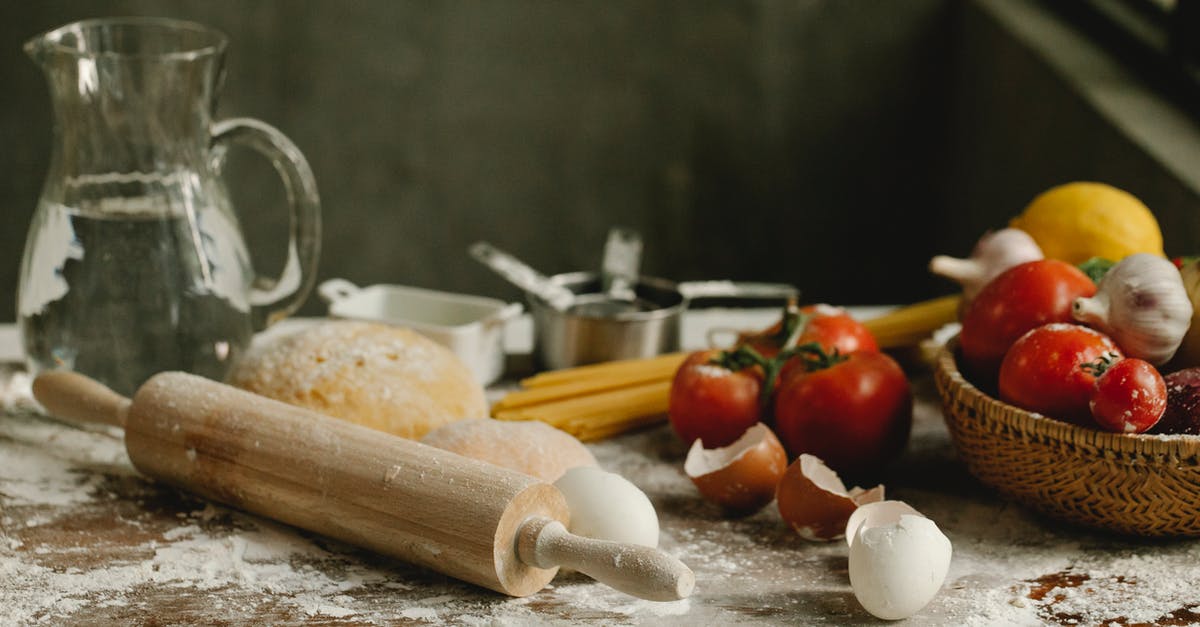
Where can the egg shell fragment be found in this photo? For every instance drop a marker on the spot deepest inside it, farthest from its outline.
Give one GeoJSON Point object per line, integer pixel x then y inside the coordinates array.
{"type": "Point", "coordinates": [741, 477]}
{"type": "Point", "coordinates": [814, 501]}
{"type": "Point", "coordinates": [607, 506]}
{"type": "Point", "coordinates": [881, 513]}
{"type": "Point", "coordinates": [898, 560]}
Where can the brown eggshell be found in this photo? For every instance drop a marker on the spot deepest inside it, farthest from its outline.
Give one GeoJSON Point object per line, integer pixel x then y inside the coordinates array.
{"type": "Point", "coordinates": [740, 477]}
{"type": "Point", "coordinates": [815, 502]}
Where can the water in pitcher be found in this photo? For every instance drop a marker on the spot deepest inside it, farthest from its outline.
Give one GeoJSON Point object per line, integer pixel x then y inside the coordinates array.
{"type": "Point", "coordinates": [120, 295]}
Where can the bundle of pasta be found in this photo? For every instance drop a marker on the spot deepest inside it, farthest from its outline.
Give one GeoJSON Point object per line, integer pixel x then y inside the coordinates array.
{"type": "Point", "coordinates": [909, 325]}
{"type": "Point", "coordinates": [596, 401]}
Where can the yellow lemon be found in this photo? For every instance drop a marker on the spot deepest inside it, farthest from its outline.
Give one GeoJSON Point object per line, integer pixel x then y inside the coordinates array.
{"type": "Point", "coordinates": [1077, 221]}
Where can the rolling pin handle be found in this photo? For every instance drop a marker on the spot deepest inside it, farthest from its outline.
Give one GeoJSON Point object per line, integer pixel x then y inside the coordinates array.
{"type": "Point", "coordinates": [73, 396]}
{"type": "Point", "coordinates": [641, 571]}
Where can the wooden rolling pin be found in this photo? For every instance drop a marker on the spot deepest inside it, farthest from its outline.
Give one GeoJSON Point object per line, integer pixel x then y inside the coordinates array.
{"type": "Point", "coordinates": [469, 519]}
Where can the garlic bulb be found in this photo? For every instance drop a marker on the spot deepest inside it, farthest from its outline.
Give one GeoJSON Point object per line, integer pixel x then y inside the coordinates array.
{"type": "Point", "coordinates": [993, 254]}
{"type": "Point", "coordinates": [1143, 305]}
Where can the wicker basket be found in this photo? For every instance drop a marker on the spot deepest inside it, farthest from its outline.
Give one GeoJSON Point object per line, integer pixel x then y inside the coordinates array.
{"type": "Point", "coordinates": [1137, 484]}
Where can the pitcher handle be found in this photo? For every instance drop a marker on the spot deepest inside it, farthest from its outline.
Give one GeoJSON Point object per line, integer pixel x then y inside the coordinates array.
{"type": "Point", "coordinates": [273, 299]}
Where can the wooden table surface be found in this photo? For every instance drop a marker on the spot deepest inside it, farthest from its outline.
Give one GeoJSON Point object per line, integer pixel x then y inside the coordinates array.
{"type": "Point", "coordinates": [85, 540]}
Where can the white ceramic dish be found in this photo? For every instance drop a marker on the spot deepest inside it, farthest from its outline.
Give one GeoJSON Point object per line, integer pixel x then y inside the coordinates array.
{"type": "Point", "coordinates": [470, 326]}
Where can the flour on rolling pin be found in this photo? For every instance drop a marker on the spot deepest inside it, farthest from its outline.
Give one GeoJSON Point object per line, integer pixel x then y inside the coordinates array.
{"type": "Point", "coordinates": [471, 520]}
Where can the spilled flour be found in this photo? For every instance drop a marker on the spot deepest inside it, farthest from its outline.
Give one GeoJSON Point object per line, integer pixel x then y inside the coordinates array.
{"type": "Point", "coordinates": [85, 540]}
{"type": "Point", "coordinates": [256, 560]}
{"type": "Point", "coordinates": [52, 471]}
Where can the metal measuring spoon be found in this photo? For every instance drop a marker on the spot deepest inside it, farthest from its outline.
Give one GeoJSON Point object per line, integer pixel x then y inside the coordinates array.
{"type": "Point", "coordinates": [622, 259]}
{"type": "Point", "coordinates": [619, 277]}
{"type": "Point", "coordinates": [523, 276]}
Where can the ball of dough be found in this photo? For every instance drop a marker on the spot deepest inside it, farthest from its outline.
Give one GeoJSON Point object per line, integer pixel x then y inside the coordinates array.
{"type": "Point", "coordinates": [532, 447]}
{"type": "Point", "coordinates": [607, 506]}
{"type": "Point", "coordinates": [379, 376]}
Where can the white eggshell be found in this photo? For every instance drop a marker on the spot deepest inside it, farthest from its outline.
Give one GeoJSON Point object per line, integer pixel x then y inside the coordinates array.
{"type": "Point", "coordinates": [897, 567]}
{"type": "Point", "coordinates": [606, 506]}
{"type": "Point", "coordinates": [876, 514]}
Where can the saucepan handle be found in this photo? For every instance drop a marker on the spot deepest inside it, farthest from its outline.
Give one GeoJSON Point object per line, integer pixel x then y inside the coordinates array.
{"type": "Point", "coordinates": [510, 311]}
{"type": "Point", "coordinates": [334, 290]}
{"type": "Point", "coordinates": [737, 289]}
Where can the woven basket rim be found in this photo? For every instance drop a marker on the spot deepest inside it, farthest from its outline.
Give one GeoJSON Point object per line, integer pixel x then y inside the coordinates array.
{"type": "Point", "coordinates": [1181, 446]}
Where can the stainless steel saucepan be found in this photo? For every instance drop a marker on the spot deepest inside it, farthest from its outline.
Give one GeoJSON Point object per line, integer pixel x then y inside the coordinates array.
{"type": "Point", "coordinates": [580, 334]}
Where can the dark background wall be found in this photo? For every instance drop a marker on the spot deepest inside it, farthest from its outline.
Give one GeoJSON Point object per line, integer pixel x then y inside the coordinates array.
{"type": "Point", "coordinates": [1020, 124]}
{"type": "Point", "coordinates": [752, 140]}
{"type": "Point", "coordinates": [834, 145]}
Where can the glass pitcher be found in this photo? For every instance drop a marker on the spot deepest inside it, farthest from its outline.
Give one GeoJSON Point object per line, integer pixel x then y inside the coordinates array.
{"type": "Point", "coordinates": [135, 262]}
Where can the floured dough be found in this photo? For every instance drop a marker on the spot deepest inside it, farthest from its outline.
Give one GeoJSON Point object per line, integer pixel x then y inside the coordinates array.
{"type": "Point", "coordinates": [380, 376]}
{"type": "Point", "coordinates": [534, 448]}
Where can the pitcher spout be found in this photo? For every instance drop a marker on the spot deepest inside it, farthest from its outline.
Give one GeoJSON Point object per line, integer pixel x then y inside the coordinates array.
{"type": "Point", "coordinates": [129, 37]}
{"type": "Point", "coordinates": [130, 94]}
{"type": "Point", "coordinates": [38, 48]}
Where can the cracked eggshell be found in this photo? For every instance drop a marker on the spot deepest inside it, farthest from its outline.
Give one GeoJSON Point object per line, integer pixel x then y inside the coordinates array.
{"type": "Point", "coordinates": [898, 559]}
{"type": "Point", "coordinates": [814, 501]}
{"type": "Point", "coordinates": [607, 506]}
{"type": "Point", "coordinates": [880, 513]}
{"type": "Point", "coordinates": [740, 477]}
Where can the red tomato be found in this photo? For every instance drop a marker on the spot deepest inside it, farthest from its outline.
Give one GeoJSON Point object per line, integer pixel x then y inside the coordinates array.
{"type": "Point", "coordinates": [1043, 372]}
{"type": "Point", "coordinates": [829, 326]}
{"type": "Point", "coordinates": [713, 403]}
{"type": "Point", "coordinates": [1130, 397]}
{"type": "Point", "coordinates": [833, 328]}
{"type": "Point", "coordinates": [855, 415]}
{"type": "Point", "coordinates": [1022, 298]}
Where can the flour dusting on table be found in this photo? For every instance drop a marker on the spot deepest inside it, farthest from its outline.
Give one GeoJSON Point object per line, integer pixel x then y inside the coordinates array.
{"type": "Point", "coordinates": [84, 539]}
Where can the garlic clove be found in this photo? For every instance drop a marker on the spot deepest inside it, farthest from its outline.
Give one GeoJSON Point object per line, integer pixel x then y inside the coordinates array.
{"type": "Point", "coordinates": [960, 270]}
{"type": "Point", "coordinates": [995, 252]}
{"type": "Point", "coordinates": [1091, 311]}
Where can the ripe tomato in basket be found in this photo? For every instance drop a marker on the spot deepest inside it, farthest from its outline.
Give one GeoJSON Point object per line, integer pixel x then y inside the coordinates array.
{"type": "Point", "coordinates": [853, 411]}
{"type": "Point", "coordinates": [713, 402]}
{"type": "Point", "coordinates": [1044, 370]}
{"type": "Point", "coordinates": [1130, 395]}
{"type": "Point", "coordinates": [1020, 299]}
